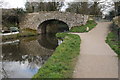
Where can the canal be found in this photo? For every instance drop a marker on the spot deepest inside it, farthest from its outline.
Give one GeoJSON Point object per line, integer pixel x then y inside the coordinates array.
{"type": "Point", "coordinates": [22, 58]}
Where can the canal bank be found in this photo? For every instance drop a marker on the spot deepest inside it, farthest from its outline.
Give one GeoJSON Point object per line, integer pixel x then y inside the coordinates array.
{"type": "Point", "coordinates": [61, 63]}
{"type": "Point", "coordinates": [63, 69]}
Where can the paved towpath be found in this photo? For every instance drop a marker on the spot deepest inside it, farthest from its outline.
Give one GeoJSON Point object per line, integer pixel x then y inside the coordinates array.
{"type": "Point", "coordinates": [96, 59]}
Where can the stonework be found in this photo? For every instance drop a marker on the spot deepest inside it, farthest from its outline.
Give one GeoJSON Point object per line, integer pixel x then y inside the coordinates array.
{"type": "Point", "coordinates": [33, 20]}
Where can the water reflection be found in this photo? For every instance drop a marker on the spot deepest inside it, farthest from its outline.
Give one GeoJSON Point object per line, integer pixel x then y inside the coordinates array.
{"type": "Point", "coordinates": [23, 58]}
{"type": "Point", "coordinates": [48, 41]}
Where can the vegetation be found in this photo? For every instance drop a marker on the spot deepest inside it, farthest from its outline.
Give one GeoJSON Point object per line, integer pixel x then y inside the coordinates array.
{"type": "Point", "coordinates": [114, 41]}
{"type": "Point", "coordinates": [114, 44]}
{"type": "Point", "coordinates": [84, 28]}
{"type": "Point", "coordinates": [78, 7]}
{"type": "Point", "coordinates": [9, 21]}
{"type": "Point", "coordinates": [43, 6]}
{"type": "Point", "coordinates": [23, 33]}
{"type": "Point", "coordinates": [84, 8]}
{"type": "Point", "coordinates": [61, 63]}
{"type": "Point", "coordinates": [12, 17]}
{"type": "Point", "coordinates": [117, 8]}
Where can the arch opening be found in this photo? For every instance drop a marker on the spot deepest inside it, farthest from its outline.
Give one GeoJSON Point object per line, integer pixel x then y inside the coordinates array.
{"type": "Point", "coordinates": [52, 26]}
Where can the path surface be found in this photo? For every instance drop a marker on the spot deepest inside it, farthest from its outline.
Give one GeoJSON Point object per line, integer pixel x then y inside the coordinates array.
{"type": "Point", "coordinates": [97, 59]}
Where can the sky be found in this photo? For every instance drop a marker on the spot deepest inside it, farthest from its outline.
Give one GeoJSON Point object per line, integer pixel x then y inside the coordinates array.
{"type": "Point", "coordinates": [21, 4]}
{"type": "Point", "coordinates": [13, 3]}
{"type": "Point", "coordinates": [65, 5]}
{"type": "Point", "coordinates": [106, 6]}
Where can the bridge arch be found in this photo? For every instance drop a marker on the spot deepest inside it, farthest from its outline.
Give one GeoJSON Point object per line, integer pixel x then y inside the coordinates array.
{"type": "Point", "coordinates": [33, 20]}
{"type": "Point", "coordinates": [52, 26]}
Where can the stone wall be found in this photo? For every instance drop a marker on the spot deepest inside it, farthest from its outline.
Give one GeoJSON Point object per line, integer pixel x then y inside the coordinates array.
{"type": "Point", "coordinates": [33, 20]}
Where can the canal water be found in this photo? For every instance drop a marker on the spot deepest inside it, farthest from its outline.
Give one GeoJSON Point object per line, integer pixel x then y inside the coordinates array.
{"type": "Point", "coordinates": [21, 58]}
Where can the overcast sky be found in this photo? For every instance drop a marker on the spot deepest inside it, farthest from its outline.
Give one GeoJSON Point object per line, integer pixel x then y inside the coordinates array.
{"type": "Point", "coordinates": [21, 4]}
{"type": "Point", "coordinates": [13, 3]}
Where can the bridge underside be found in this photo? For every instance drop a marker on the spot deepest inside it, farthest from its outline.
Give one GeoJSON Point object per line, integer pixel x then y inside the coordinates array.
{"type": "Point", "coordinates": [52, 26]}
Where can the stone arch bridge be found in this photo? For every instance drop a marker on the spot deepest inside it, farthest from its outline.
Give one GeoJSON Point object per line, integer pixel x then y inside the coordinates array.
{"type": "Point", "coordinates": [33, 20]}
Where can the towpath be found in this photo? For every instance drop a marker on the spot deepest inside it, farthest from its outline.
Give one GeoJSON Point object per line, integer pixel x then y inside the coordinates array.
{"type": "Point", "coordinates": [96, 59]}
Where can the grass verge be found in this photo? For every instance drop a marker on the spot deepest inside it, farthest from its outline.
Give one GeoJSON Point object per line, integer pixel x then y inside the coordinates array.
{"type": "Point", "coordinates": [23, 33]}
{"type": "Point", "coordinates": [84, 28]}
{"type": "Point", "coordinates": [61, 63]}
{"type": "Point", "coordinates": [113, 42]}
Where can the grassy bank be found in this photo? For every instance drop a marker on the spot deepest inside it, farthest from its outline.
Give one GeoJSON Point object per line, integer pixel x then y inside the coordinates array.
{"type": "Point", "coordinates": [85, 28]}
{"type": "Point", "coordinates": [113, 41]}
{"type": "Point", "coordinates": [23, 33]}
{"type": "Point", "coordinates": [61, 63]}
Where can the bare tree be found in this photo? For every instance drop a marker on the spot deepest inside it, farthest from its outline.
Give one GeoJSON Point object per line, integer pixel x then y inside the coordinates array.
{"type": "Point", "coordinates": [94, 9]}
{"type": "Point", "coordinates": [79, 7]}
{"type": "Point", "coordinates": [74, 7]}
{"type": "Point", "coordinates": [43, 6]}
{"type": "Point", "coordinates": [117, 8]}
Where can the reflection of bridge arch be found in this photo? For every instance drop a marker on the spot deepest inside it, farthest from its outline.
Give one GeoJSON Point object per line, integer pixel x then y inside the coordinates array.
{"type": "Point", "coordinates": [30, 48]}
{"type": "Point", "coordinates": [53, 26]}
{"type": "Point", "coordinates": [48, 41]}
